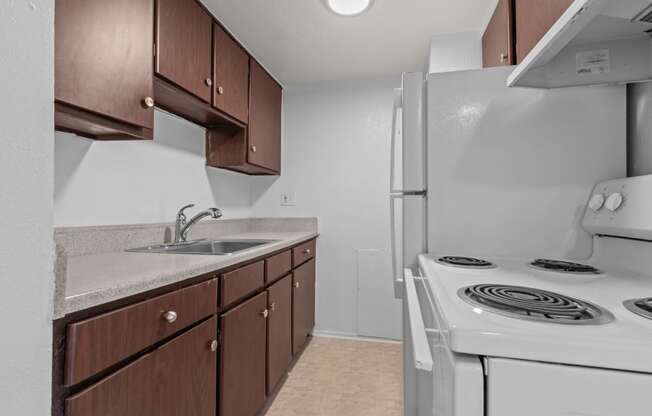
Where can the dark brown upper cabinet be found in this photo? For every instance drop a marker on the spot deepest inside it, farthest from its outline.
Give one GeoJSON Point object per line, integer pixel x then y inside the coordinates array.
{"type": "Point", "coordinates": [533, 20]}
{"type": "Point", "coordinates": [516, 27]}
{"type": "Point", "coordinates": [184, 46]}
{"type": "Point", "coordinates": [265, 102]}
{"type": "Point", "coordinates": [103, 68]}
{"type": "Point", "coordinates": [256, 150]}
{"type": "Point", "coordinates": [231, 75]}
{"type": "Point", "coordinates": [498, 38]}
{"type": "Point", "coordinates": [178, 378]}
{"type": "Point", "coordinates": [242, 366]}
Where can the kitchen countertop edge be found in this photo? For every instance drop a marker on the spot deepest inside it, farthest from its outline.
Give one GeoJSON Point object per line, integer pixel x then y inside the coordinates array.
{"type": "Point", "coordinates": [66, 305]}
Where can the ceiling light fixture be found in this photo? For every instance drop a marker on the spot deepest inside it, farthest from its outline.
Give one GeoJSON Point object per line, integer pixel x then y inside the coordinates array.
{"type": "Point", "coordinates": [349, 7]}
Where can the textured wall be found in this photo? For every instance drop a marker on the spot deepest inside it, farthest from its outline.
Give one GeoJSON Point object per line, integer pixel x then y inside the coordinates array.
{"type": "Point", "coordinates": [336, 159]}
{"type": "Point", "coordinates": [26, 159]}
{"type": "Point", "coordinates": [107, 183]}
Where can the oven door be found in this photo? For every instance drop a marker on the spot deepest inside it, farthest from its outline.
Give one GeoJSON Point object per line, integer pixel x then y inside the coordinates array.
{"type": "Point", "coordinates": [438, 382]}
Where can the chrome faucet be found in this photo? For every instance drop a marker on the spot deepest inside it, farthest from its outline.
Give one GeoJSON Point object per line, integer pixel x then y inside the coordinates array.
{"type": "Point", "coordinates": [183, 226]}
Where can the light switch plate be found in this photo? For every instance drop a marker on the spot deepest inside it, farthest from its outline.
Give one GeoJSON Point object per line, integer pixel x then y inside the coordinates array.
{"type": "Point", "coordinates": [288, 199]}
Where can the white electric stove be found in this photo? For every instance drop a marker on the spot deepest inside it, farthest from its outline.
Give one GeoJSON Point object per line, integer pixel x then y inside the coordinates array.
{"type": "Point", "coordinates": [541, 337]}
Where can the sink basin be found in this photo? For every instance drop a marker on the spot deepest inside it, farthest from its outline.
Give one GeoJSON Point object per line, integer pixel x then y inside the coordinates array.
{"type": "Point", "coordinates": [205, 247]}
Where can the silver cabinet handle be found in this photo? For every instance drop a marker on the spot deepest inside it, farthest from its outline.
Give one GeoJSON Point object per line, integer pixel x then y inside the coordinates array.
{"type": "Point", "coordinates": [306, 251]}
{"type": "Point", "coordinates": [272, 307]}
{"type": "Point", "coordinates": [170, 316]}
{"type": "Point", "coordinates": [220, 90]}
{"type": "Point", "coordinates": [209, 82]}
{"type": "Point", "coordinates": [265, 313]}
{"type": "Point", "coordinates": [253, 148]}
{"type": "Point", "coordinates": [297, 285]}
{"type": "Point", "coordinates": [148, 102]}
{"type": "Point", "coordinates": [503, 57]}
{"type": "Point", "coordinates": [213, 345]}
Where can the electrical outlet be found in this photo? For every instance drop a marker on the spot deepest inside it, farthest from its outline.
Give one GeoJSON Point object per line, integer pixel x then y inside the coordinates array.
{"type": "Point", "coordinates": [288, 199]}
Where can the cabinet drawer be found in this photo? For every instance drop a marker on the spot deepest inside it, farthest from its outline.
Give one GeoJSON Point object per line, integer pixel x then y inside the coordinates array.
{"type": "Point", "coordinates": [278, 266]}
{"type": "Point", "coordinates": [97, 343]}
{"type": "Point", "coordinates": [178, 378]}
{"type": "Point", "coordinates": [241, 282]}
{"type": "Point", "coordinates": [303, 253]}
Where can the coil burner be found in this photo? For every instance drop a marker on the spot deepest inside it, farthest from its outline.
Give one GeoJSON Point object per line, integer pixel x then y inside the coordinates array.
{"type": "Point", "coordinates": [465, 262]}
{"type": "Point", "coordinates": [534, 305]}
{"type": "Point", "coordinates": [641, 307]}
{"type": "Point", "coordinates": [563, 267]}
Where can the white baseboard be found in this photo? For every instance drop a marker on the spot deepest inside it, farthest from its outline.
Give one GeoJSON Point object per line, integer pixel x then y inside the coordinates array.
{"type": "Point", "coordinates": [351, 336]}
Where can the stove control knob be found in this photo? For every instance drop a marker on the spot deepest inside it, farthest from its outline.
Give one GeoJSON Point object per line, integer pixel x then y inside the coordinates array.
{"type": "Point", "coordinates": [596, 202]}
{"type": "Point", "coordinates": [614, 201]}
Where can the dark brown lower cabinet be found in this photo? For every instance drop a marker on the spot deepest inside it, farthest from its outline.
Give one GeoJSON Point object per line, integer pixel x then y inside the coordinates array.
{"type": "Point", "coordinates": [242, 367]}
{"type": "Point", "coordinates": [279, 331]}
{"type": "Point", "coordinates": [303, 301]}
{"type": "Point", "coordinates": [176, 379]}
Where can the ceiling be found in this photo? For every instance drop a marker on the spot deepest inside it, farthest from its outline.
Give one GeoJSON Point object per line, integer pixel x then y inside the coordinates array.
{"type": "Point", "coordinates": [300, 41]}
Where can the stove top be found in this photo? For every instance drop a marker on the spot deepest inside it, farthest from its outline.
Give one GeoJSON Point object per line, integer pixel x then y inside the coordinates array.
{"type": "Point", "coordinates": [641, 307]}
{"type": "Point", "coordinates": [561, 266]}
{"type": "Point", "coordinates": [534, 304]}
{"type": "Point", "coordinates": [516, 311]}
{"type": "Point", "coordinates": [466, 262]}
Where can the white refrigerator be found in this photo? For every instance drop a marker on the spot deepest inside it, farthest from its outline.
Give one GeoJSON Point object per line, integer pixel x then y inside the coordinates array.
{"type": "Point", "coordinates": [480, 169]}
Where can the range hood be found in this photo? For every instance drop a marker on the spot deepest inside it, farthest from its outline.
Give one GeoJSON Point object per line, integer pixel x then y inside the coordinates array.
{"type": "Point", "coordinates": [594, 42]}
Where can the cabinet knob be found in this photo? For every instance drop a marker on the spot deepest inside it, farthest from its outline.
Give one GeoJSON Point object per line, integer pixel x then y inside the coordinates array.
{"type": "Point", "coordinates": [213, 345]}
{"type": "Point", "coordinates": [297, 285]}
{"type": "Point", "coordinates": [253, 148]}
{"type": "Point", "coordinates": [209, 82]}
{"type": "Point", "coordinates": [170, 316]}
{"type": "Point", "coordinates": [306, 251]}
{"type": "Point", "coordinates": [503, 57]}
{"type": "Point", "coordinates": [272, 306]}
{"type": "Point", "coordinates": [148, 102]}
{"type": "Point", "coordinates": [220, 90]}
{"type": "Point", "coordinates": [265, 313]}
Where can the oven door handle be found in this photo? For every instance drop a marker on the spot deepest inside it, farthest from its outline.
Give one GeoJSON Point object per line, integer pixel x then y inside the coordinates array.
{"type": "Point", "coordinates": [420, 347]}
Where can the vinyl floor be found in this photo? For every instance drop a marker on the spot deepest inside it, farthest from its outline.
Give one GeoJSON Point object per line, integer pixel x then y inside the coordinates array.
{"type": "Point", "coordinates": [337, 377]}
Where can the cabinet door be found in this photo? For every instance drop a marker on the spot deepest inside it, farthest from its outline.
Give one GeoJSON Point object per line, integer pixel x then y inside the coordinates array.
{"type": "Point", "coordinates": [303, 305]}
{"type": "Point", "coordinates": [103, 57]}
{"type": "Point", "coordinates": [231, 79]}
{"type": "Point", "coordinates": [533, 19]}
{"type": "Point", "coordinates": [184, 43]}
{"type": "Point", "coordinates": [279, 331]}
{"type": "Point", "coordinates": [497, 42]}
{"type": "Point", "coordinates": [242, 369]}
{"type": "Point", "coordinates": [264, 119]}
{"type": "Point", "coordinates": [179, 378]}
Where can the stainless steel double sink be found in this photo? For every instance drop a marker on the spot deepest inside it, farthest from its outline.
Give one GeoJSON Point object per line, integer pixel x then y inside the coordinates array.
{"type": "Point", "coordinates": [225, 247]}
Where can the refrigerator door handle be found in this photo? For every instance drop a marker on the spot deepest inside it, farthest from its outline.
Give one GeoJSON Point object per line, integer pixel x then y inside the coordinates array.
{"type": "Point", "coordinates": [420, 347]}
{"type": "Point", "coordinates": [396, 272]}
{"type": "Point", "coordinates": [396, 122]}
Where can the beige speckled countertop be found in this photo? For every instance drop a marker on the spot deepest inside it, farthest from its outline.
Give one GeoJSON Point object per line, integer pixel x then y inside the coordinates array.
{"type": "Point", "coordinates": [93, 279]}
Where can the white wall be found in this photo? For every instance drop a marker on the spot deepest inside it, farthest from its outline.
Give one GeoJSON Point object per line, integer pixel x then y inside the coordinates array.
{"type": "Point", "coordinates": [336, 154]}
{"type": "Point", "coordinates": [26, 247]}
{"type": "Point", "coordinates": [455, 52]}
{"type": "Point", "coordinates": [107, 183]}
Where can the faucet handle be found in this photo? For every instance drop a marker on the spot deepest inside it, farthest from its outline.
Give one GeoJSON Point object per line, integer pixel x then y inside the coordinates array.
{"type": "Point", "coordinates": [181, 214]}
